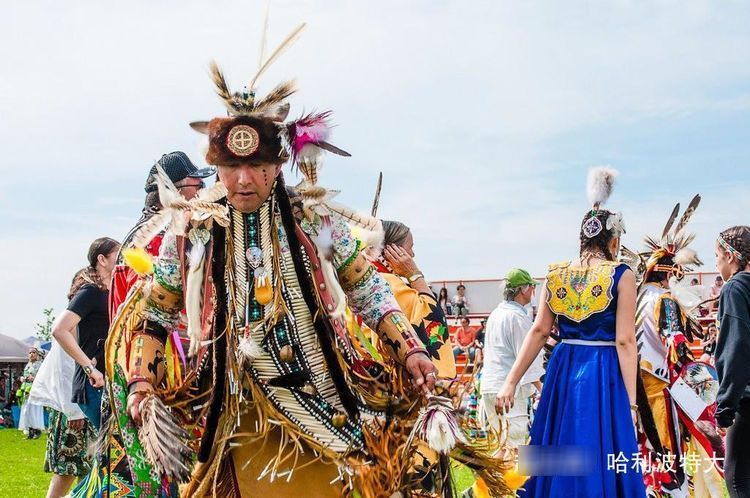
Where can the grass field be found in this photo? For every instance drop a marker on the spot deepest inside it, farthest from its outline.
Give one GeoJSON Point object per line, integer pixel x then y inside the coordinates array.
{"type": "Point", "coordinates": [21, 465]}
{"type": "Point", "coordinates": [22, 461]}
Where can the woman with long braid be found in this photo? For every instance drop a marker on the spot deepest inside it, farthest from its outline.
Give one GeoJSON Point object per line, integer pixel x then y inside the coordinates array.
{"type": "Point", "coordinates": [732, 352]}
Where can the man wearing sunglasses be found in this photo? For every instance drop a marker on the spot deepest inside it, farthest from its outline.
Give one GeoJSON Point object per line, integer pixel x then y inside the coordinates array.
{"type": "Point", "coordinates": [188, 179]}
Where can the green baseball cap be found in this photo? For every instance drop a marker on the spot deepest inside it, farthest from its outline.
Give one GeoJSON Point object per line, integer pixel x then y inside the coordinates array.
{"type": "Point", "coordinates": [518, 277]}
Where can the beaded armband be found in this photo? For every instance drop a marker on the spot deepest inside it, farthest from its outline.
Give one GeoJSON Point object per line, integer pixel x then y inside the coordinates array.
{"type": "Point", "coordinates": [146, 360]}
{"type": "Point", "coordinates": [355, 270]}
{"type": "Point", "coordinates": [164, 299]}
{"type": "Point", "coordinates": [398, 335]}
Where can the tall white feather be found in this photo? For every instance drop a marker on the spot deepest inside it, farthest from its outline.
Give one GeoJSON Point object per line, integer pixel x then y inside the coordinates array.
{"type": "Point", "coordinates": [599, 185]}
{"type": "Point", "coordinates": [324, 243]}
{"type": "Point", "coordinates": [193, 296]}
{"type": "Point", "coordinates": [288, 41]}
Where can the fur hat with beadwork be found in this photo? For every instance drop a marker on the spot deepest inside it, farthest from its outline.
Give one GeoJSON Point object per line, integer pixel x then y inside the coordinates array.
{"type": "Point", "coordinates": [254, 130]}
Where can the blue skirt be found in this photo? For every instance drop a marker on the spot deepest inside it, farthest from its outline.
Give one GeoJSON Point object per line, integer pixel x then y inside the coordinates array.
{"type": "Point", "coordinates": [582, 440]}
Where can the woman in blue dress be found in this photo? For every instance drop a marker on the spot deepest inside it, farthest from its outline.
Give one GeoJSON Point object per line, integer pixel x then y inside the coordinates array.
{"type": "Point", "coordinates": [583, 441]}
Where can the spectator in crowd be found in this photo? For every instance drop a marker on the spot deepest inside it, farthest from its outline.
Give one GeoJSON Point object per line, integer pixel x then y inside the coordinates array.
{"type": "Point", "coordinates": [466, 340]}
{"type": "Point", "coordinates": [479, 342]}
{"type": "Point", "coordinates": [709, 344]}
{"type": "Point", "coordinates": [732, 352]}
{"type": "Point", "coordinates": [481, 332]}
{"type": "Point", "coordinates": [6, 418]}
{"type": "Point", "coordinates": [87, 311]}
{"type": "Point", "coordinates": [3, 388]}
{"type": "Point", "coordinates": [15, 390]}
{"type": "Point", "coordinates": [444, 302]}
{"type": "Point", "coordinates": [460, 302]}
{"type": "Point", "coordinates": [715, 292]}
{"type": "Point", "coordinates": [32, 415]}
{"type": "Point", "coordinates": [694, 282]}
{"type": "Point", "coordinates": [507, 328]}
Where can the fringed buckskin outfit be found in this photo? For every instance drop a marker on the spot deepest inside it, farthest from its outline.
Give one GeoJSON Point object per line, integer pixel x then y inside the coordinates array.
{"type": "Point", "coordinates": [270, 394]}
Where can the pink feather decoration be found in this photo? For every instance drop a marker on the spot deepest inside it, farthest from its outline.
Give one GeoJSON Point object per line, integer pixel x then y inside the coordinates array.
{"type": "Point", "coordinates": [311, 129]}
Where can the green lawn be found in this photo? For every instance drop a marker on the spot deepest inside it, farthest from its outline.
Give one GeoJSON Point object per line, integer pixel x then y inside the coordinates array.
{"type": "Point", "coordinates": [21, 465]}
{"type": "Point", "coordinates": [22, 461]}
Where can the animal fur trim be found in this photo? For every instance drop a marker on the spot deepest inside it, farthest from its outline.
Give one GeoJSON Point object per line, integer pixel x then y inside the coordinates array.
{"type": "Point", "coordinates": [269, 149]}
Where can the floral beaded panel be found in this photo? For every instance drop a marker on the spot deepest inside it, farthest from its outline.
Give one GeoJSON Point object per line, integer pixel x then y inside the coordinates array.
{"type": "Point", "coordinates": [577, 293]}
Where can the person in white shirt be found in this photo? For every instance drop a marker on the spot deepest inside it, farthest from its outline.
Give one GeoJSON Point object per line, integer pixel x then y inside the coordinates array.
{"type": "Point", "coordinates": [460, 302]}
{"type": "Point", "coordinates": [506, 330]}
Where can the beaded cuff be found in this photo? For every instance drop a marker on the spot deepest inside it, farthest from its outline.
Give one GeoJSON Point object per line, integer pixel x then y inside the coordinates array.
{"type": "Point", "coordinates": [397, 333]}
{"type": "Point", "coordinates": [146, 360]}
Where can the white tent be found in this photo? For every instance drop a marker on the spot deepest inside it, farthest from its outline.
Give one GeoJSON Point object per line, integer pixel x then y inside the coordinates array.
{"type": "Point", "coordinates": [13, 350]}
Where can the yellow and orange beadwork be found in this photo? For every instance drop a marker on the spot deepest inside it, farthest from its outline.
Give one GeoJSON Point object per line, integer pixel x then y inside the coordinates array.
{"type": "Point", "coordinates": [577, 293]}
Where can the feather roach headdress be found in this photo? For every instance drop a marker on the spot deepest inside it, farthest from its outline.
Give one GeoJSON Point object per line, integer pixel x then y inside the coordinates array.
{"type": "Point", "coordinates": [254, 130]}
{"type": "Point", "coordinates": [669, 253]}
{"type": "Point", "coordinates": [599, 186]}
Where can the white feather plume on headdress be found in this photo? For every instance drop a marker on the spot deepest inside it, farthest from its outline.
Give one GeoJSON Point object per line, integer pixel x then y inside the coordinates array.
{"type": "Point", "coordinates": [601, 181]}
{"type": "Point", "coordinates": [687, 257]}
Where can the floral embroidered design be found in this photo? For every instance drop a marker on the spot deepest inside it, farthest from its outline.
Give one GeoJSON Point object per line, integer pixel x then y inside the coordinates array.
{"type": "Point", "coordinates": [580, 292]}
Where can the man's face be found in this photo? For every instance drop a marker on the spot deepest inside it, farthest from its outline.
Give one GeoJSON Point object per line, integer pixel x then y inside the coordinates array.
{"type": "Point", "coordinates": [33, 356]}
{"type": "Point", "coordinates": [461, 291]}
{"type": "Point", "coordinates": [465, 322]}
{"type": "Point", "coordinates": [189, 187]}
{"type": "Point", "coordinates": [529, 292]}
{"type": "Point", "coordinates": [248, 185]}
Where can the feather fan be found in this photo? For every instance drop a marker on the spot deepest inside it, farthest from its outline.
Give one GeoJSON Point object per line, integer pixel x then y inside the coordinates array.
{"type": "Point", "coordinates": [164, 441]}
{"type": "Point", "coordinates": [601, 181]}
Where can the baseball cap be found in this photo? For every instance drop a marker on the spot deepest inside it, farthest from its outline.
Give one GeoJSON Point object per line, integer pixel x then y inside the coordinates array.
{"type": "Point", "coordinates": [178, 166]}
{"type": "Point", "coordinates": [518, 277]}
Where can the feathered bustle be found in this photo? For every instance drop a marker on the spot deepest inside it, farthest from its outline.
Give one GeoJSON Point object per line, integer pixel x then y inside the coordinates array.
{"type": "Point", "coordinates": [601, 181]}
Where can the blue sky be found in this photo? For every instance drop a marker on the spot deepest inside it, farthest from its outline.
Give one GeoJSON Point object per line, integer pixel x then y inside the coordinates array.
{"type": "Point", "coordinates": [483, 116]}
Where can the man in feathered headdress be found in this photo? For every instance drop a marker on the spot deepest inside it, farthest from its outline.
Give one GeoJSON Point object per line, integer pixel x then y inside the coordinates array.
{"type": "Point", "coordinates": [271, 389]}
{"type": "Point", "coordinates": [677, 394]}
